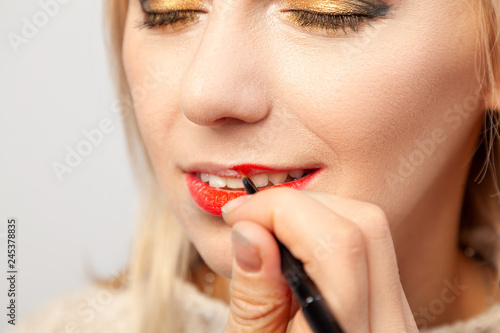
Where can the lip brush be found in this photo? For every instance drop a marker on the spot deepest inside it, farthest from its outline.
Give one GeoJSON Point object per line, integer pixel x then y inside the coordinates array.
{"type": "Point", "coordinates": [314, 307]}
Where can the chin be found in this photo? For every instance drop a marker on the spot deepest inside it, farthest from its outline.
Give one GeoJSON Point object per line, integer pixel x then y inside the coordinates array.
{"type": "Point", "coordinates": [211, 237]}
{"type": "Point", "coordinates": [218, 255]}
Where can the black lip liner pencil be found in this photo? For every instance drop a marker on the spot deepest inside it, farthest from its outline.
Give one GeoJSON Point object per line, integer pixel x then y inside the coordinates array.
{"type": "Point", "coordinates": [314, 307]}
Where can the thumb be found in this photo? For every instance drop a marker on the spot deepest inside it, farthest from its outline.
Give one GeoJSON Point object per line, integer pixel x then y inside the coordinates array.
{"type": "Point", "coordinates": [260, 297]}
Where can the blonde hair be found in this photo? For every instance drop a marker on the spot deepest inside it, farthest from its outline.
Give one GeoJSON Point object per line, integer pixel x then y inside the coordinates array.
{"type": "Point", "coordinates": [162, 252]}
{"type": "Point", "coordinates": [480, 219]}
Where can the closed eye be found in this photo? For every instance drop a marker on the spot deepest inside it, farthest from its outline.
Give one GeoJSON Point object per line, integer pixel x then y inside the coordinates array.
{"type": "Point", "coordinates": [328, 22]}
{"type": "Point", "coordinates": [172, 19]}
{"type": "Point", "coordinates": [324, 22]}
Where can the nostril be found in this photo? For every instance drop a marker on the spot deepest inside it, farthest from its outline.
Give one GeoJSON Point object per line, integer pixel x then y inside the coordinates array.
{"type": "Point", "coordinates": [224, 121]}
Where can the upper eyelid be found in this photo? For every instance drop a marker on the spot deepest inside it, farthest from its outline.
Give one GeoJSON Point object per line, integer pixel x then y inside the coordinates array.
{"type": "Point", "coordinates": [200, 5]}
{"type": "Point", "coordinates": [372, 7]}
{"type": "Point", "coordinates": [369, 7]}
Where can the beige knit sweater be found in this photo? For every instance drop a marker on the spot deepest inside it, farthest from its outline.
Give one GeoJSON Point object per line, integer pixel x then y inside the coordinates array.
{"type": "Point", "coordinates": [96, 309]}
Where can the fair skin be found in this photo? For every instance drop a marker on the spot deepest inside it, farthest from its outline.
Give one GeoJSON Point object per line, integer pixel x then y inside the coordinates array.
{"type": "Point", "coordinates": [357, 104]}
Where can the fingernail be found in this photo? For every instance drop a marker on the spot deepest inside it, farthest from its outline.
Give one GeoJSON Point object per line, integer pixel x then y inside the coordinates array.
{"type": "Point", "coordinates": [247, 256]}
{"type": "Point", "coordinates": [233, 204]}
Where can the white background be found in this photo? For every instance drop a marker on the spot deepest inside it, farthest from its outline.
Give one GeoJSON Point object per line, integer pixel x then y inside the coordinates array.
{"type": "Point", "coordinates": [55, 86]}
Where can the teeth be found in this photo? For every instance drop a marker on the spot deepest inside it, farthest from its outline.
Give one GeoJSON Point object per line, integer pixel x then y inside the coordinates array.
{"type": "Point", "coordinates": [296, 173]}
{"type": "Point", "coordinates": [205, 177]}
{"type": "Point", "coordinates": [260, 180]}
{"type": "Point", "coordinates": [234, 183]}
{"type": "Point", "coordinates": [277, 178]}
{"type": "Point", "coordinates": [216, 181]}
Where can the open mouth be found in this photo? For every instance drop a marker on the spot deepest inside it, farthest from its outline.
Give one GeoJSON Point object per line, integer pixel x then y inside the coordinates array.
{"type": "Point", "coordinates": [211, 192]}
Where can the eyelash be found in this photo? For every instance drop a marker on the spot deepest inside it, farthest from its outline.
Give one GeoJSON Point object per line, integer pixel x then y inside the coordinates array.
{"type": "Point", "coordinates": [328, 22]}
{"type": "Point", "coordinates": [171, 18]}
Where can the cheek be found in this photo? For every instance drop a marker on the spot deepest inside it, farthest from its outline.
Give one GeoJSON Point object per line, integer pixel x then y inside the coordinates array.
{"type": "Point", "coordinates": [154, 68]}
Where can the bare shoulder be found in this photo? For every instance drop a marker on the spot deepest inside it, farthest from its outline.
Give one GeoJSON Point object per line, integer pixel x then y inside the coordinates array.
{"type": "Point", "coordinates": [91, 309]}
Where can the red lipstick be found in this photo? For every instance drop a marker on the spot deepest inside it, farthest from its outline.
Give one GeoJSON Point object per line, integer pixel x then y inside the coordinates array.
{"type": "Point", "coordinates": [254, 169]}
{"type": "Point", "coordinates": [211, 199]}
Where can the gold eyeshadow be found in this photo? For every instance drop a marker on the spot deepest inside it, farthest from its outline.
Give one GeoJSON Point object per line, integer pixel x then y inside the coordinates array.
{"type": "Point", "coordinates": [158, 6]}
{"type": "Point", "coordinates": [366, 7]}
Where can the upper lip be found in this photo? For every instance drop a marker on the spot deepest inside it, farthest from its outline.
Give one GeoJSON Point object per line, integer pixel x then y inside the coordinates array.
{"type": "Point", "coordinates": [231, 170]}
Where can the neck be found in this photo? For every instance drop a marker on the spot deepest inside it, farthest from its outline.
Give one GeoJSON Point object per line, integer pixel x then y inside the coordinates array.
{"type": "Point", "coordinates": [441, 283]}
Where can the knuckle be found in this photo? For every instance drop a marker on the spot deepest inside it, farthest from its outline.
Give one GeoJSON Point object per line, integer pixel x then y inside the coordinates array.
{"type": "Point", "coordinates": [374, 212]}
{"type": "Point", "coordinates": [347, 241]}
{"type": "Point", "coordinates": [376, 222]}
{"type": "Point", "coordinates": [252, 312]}
{"type": "Point", "coordinates": [351, 236]}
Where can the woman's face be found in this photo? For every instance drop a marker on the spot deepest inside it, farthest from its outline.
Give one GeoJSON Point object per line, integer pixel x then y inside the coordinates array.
{"type": "Point", "coordinates": [387, 112]}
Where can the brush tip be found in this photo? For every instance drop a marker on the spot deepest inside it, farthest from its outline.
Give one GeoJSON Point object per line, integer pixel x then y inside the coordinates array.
{"type": "Point", "coordinates": [242, 174]}
{"type": "Point", "coordinates": [249, 185]}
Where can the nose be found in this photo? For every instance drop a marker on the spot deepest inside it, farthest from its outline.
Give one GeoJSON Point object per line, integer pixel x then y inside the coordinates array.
{"type": "Point", "coordinates": [226, 77]}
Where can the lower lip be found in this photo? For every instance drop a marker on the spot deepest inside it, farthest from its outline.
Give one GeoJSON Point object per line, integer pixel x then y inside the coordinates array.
{"type": "Point", "coordinates": [211, 199]}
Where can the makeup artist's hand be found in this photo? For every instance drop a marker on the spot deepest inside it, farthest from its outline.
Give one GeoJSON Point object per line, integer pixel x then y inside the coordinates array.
{"type": "Point", "coordinates": [347, 250]}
